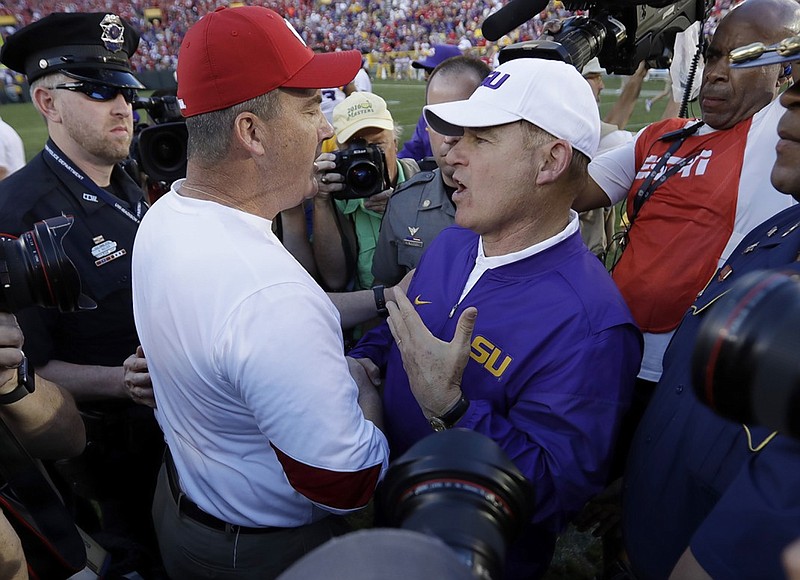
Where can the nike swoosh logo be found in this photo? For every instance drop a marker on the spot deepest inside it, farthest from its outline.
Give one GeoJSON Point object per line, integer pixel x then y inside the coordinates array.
{"type": "Point", "coordinates": [419, 302]}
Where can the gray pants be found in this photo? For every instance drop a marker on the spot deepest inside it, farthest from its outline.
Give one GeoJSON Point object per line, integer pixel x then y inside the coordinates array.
{"type": "Point", "coordinates": [191, 550]}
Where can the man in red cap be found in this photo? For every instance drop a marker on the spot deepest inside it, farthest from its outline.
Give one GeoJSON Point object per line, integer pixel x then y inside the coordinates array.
{"type": "Point", "coordinates": [270, 438]}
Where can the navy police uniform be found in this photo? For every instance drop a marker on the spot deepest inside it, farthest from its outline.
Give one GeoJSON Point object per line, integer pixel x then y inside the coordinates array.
{"type": "Point", "coordinates": [99, 244]}
{"type": "Point", "coordinates": [419, 209]}
{"type": "Point", "coordinates": [116, 474]}
{"type": "Point", "coordinates": [696, 480]}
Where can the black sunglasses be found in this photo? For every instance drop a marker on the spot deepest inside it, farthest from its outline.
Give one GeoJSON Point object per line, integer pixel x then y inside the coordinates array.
{"type": "Point", "coordinates": [100, 92]}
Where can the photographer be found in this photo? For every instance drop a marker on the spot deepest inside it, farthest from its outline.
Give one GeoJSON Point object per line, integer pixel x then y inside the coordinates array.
{"type": "Point", "coordinates": [45, 421]}
{"type": "Point", "coordinates": [704, 496]}
{"type": "Point", "coordinates": [346, 227]}
{"type": "Point", "coordinates": [82, 85]}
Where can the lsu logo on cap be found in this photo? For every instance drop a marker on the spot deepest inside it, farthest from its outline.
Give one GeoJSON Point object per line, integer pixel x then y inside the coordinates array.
{"type": "Point", "coordinates": [495, 80]}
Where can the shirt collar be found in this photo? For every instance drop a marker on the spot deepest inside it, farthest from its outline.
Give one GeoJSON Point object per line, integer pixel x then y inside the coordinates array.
{"type": "Point", "coordinates": [496, 261]}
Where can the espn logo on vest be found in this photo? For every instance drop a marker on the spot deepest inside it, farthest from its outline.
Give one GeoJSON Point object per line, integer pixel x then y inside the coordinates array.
{"type": "Point", "coordinates": [696, 166]}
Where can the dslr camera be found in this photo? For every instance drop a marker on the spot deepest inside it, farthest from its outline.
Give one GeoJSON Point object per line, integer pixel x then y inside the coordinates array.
{"type": "Point", "coordinates": [364, 169]}
{"type": "Point", "coordinates": [35, 270]}
{"type": "Point", "coordinates": [448, 508]}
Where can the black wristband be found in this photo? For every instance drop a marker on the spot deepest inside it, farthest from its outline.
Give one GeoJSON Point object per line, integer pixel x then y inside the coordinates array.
{"type": "Point", "coordinates": [26, 384]}
{"type": "Point", "coordinates": [452, 416]}
{"type": "Point", "coordinates": [380, 301]}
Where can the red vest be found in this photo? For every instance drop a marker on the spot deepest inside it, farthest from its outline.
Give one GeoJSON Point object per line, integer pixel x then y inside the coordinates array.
{"type": "Point", "coordinates": [678, 237]}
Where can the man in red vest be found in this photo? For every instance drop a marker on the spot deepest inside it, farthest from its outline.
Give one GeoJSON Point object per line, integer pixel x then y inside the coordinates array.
{"type": "Point", "coordinates": [695, 188]}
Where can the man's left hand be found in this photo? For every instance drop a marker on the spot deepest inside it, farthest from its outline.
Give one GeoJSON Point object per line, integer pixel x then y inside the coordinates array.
{"type": "Point", "coordinates": [11, 340]}
{"type": "Point", "coordinates": [434, 367]}
{"type": "Point", "coordinates": [379, 201]}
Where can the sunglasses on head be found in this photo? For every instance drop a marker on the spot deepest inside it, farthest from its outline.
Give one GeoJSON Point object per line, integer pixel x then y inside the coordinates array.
{"type": "Point", "coordinates": [98, 92]}
{"type": "Point", "coordinates": [786, 48]}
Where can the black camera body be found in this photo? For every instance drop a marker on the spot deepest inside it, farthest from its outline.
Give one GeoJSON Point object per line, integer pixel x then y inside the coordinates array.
{"type": "Point", "coordinates": [364, 169]}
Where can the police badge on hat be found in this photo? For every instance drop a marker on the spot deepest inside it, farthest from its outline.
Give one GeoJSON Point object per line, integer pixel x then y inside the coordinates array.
{"type": "Point", "coordinates": [71, 42]}
{"type": "Point", "coordinates": [113, 36]}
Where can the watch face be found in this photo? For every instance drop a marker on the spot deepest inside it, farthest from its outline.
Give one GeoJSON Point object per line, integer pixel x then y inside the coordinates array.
{"type": "Point", "coordinates": [437, 424]}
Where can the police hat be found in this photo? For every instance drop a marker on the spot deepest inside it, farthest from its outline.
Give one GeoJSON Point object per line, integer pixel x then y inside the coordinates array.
{"type": "Point", "coordinates": [92, 47]}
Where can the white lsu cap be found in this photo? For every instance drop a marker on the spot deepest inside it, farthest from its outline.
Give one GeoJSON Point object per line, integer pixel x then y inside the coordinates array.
{"type": "Point", "coordinates": [549, 94]}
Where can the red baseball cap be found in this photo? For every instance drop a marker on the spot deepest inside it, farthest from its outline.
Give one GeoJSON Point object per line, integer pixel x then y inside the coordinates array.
{"type": "Point", "coordinates": [236, 54]}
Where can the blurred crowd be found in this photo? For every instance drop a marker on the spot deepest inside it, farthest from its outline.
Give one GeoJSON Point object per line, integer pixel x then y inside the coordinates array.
{"type": "Point", "coordinates": [375, 27]}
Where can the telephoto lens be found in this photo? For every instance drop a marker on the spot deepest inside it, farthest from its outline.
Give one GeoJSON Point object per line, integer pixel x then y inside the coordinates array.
{"type": "Point", "coordinates": [459, 486]}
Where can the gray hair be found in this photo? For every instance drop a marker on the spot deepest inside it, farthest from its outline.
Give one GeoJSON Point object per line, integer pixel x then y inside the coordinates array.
{"type": "Point", "coordinates": [210, 133]}
{"type": "Point", "coordinates": [534, 136]}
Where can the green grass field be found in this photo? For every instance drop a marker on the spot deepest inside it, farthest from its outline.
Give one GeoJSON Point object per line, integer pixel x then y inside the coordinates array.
{"type": "Point", "coordinates": [405, 99]}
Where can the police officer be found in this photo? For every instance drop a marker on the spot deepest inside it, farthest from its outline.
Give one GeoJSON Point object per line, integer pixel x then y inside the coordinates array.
{"type": "Point", "coordinates": [421, 207]}
{"type": "Point", "coordinates": [81, 83]}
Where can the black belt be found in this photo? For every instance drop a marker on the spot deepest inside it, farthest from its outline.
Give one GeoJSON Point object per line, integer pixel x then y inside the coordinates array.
{"type": "Point", "coordinates": [191, 510]}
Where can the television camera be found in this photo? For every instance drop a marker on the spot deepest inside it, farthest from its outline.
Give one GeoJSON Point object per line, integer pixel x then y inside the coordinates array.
{"type": "Point", "coordinates": [621, 33]}
{"type": "Point", "coordinates": [159, 149]}
{"type": "Point", "coordinates": [745, 363]}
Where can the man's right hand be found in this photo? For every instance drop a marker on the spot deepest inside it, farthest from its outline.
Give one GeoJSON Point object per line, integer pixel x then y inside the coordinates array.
{"type": "Point", "coordinates": [328, 181]}
{"type": "Point", "coordinates": [367, 377]}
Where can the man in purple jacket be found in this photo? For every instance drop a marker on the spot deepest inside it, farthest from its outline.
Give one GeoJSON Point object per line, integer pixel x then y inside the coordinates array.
{"type": "Point", "coordinates": [549, 368]}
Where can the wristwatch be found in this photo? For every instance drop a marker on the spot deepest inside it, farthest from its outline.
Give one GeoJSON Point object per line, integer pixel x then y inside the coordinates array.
{"type": "Point", "coordinates": [380, 300]}
{"type": "Point", "coordinates": [450, 417]}
{"type": "Point", "coordinates": [26, 384]}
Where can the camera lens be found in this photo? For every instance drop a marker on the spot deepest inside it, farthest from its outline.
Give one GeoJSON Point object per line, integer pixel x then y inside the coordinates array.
{"type": "Point", "coordinates": [35, 270]}
{"type": "Point", "coordinates": [745, 364]}
{"type": "Point", "coordinates": [459, 486]}
{"type": "Point", "coordinates": [363, 167]}
{"type": "Point", "coordinates": [362, 177]}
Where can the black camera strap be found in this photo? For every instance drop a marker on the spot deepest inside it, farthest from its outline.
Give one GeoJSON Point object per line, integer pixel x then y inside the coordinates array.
{"type": "Point", "coordinates": [68, 169]}
{"type": "Point", "coordinates": [658, 175]}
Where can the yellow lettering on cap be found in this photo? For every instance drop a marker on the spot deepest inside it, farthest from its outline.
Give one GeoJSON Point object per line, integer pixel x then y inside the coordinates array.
{"type": "Point", "coordinates": [359, 110]}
